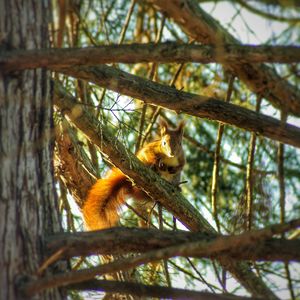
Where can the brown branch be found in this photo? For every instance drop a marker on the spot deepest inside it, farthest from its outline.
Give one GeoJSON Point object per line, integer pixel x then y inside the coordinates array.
{"type": "Point", "coordinates": [158, 109]}
{"type": "Point", "coordinates": [289, 280]}
{"type": "Point", "coordinates": [192, 276]}
{"type": "Point", "coordinates": [281, 179]}
{"type": "Point", "coordinates": [249, 173]}
{"type": "Point", "coordinates": [142, 290]}
{"type": "Point", "coordinates": [202, 27]}
{"type": "Point", "coordinates": [151, 75]}
{"type": "Point", "coordinates": [65, 206]}
{"type": "Point", "coordinates": [128, 17]}
{"type": "Point", "coordinates": [159, 53]}
{"type": "Point", "coordinates": [215, 177]}
{"type": "Point", "coordinates": [119, 241]}
{"type": "Point", "coordinates": [196, 105]}
{"type": "Point", "coordinates": [72, 164]}
{"type": "Point", "coordinates": [217, 247]}
{"type": "Point", "coordinates": [216, 165]}
{"type": "Point", "coordinates": [198, 272]}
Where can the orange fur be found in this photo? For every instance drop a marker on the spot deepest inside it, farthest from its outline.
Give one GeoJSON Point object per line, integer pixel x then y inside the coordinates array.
{"type": "Point", "coordinates": [104, 199]}
{"type": "Point", "coordinates": [165, 156]}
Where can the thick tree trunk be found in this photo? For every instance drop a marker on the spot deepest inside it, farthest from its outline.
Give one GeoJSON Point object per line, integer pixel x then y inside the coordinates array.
{"type": "Point", "coordinates": [28, 204]}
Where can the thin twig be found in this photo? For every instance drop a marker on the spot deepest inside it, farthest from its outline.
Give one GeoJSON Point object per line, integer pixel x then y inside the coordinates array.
{"type": "Point", "coordinates": [190, 274]}
{"type": "Point", "coordinates": [215, 173]}
{"type": "Point", "coordinates": [281, 179]}
{"type": "Point", "coordinates": [218, 276]}
{"type": "Point", "coordinates": [200, 276]}
{"type": "Point", "coordinates": [249, 173]}
{"type": "Point", "coordinates": [280, 162]}
{"type": "Point", "coordinates": [53, 258]}
{"type": "Point", "coordinates": [158, 108]}
{"type": "Point", "coordinates": [165, 262]}
{"type": "Point", "coordinates": [151, 76]}
{"type": "Point", "coordinates": [128, 17]}
{"type": "Point", "coordinates": [289, 280]}
{"type": "Point", "coordinates": [150, 212]}
{"type": "Point", "coordinates": [141, 126]}
{"type": "Point", "coordinates": [143, 218]}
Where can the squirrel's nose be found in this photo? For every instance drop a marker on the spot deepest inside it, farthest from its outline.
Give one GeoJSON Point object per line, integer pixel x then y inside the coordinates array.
{"type": "Point", "coordinates": [171, 154]}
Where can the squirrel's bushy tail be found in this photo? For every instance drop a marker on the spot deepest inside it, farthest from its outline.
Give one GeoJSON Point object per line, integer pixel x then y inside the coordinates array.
{"type": "Point", "coordinates": [100, 209]}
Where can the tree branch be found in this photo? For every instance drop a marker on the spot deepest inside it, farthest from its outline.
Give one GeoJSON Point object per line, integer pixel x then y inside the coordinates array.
{"type": "Point", "coordinates": [216, 248]}
{"type": "Point", "coordinates": [261, 79]}
{"type": "Point", "coordinates": [121, 240]}
{"type": "Point", "coordinates": [142, 290]}
{"type": "Point", "coordinates": [196, 105]}
{"type": "Point", "coordinates": [158, 53]}
{"type": "Point", "coordinates": [72, 164]}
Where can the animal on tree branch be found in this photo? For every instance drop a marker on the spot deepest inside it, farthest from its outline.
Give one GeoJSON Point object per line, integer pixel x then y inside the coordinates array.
{"type": "Point", "coordinates": [165, 156]}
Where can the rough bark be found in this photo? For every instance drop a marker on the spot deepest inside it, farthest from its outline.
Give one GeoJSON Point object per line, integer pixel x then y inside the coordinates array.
{"type": "Point", "coordinates": [196, 105]}
{"type": "Point", "coordinates": [219, 245]}
{"type": "Point", "coordinates": [158, 189]}
{"type": "Point", "coordinates": [261, 79]}
{"type": "Point", "coordinates": [27, 196]}
{"type": "Point", "coordinates": [72, 165]}
{"type": "Point", "coordinates": [116, 241]}
{"type": "Point", "coordinates": [158, 53]}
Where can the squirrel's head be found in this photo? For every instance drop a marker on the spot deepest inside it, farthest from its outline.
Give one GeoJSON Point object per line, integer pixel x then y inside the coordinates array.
{"type": "Point", "coordinates": [171, 139]}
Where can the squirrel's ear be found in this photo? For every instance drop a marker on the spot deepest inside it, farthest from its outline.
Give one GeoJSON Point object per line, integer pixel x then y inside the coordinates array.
{"type": "Point", "coordinates": [181, 127]}
{"type": "Point", "coordinates": [163, 126]}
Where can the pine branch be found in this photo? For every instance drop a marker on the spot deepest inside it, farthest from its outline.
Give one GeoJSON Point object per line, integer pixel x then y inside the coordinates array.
{"type": "Point", "coordinates": [121, 240]}
{"type": "Point", "coordinates": [192, 104]}
{"type": "Point", "coordinates": [157, 53]}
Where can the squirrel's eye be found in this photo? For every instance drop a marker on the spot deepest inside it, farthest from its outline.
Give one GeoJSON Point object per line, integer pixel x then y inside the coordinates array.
{"type": "Point", "coordinates": [164, 143]}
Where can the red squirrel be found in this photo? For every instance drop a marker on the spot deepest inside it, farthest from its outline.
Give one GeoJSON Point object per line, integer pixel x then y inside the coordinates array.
{"type": "Point", "coordinates": [165, 156]}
